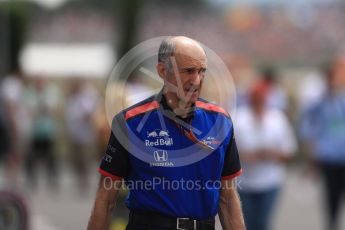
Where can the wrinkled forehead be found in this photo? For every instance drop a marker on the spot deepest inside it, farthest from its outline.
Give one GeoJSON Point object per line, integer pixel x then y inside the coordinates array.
{"type": "Point", "coordinates": [190, 54]}
{"type": "Point", "coordinates": [189, 48]}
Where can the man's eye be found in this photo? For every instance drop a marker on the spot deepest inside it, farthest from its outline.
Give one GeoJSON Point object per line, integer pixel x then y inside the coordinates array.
{"type": "Point", "coordinates": [188, 71]}
{"type": "Point", "coordinates": [193, 71]}
{"type": "Point", "coordinates": [203, 70]}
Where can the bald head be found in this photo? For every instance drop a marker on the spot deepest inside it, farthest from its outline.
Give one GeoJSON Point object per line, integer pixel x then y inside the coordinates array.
{"type": "Point", "coordinates": [187, 45]}
{"type": "Point", "coordinates": [180, 45]}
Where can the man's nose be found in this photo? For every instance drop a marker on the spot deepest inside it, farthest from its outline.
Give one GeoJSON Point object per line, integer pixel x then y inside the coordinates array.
{"type": "Point", "coordinates": [196, 78]}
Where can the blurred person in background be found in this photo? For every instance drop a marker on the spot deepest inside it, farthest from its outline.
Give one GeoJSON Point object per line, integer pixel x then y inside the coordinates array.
{"type": "Point", "coordinates": [266, 142]}
{"type": "Point", "coordinates": [81, 107]}
{"type": "Point", "coordinates": [311, 89]}
{"type": "Point", "coordinates": [4, 131]}
{"type": "Point", "coordinates": [101, 121]}
{"type": "Point", "coordinates": [137, 89]}
{"type": "Point", "coordinates": [13, 90]}
{"type": "Point", "coordinates": [102, 130]}
{"type": "Point", "coordinates": [276, 96]}
{"type": "Point", "coordinates": [323, 131]}
{"type": "Point", "coordinates": [43, 99]}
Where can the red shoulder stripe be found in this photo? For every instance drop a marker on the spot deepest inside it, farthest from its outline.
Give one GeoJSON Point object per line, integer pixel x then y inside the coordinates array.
{"type": "Point", "coordinates": [141, 109]}
{"type": "Point", "coordinates": [106, 174]}
{"type": "Point", "coordinates": [210, 107]}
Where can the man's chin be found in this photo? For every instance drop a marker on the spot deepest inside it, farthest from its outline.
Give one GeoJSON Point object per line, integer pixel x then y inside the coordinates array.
{"type": "Point", "coordinates": [190, 100]}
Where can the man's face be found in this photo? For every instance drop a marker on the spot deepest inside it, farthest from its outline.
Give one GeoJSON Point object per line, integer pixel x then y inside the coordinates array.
{"type": "Point", "coordinates": [187, 74]}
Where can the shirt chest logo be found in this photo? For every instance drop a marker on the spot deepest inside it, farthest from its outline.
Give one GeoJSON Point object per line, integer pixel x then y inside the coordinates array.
{"type": "Point", "coordinates": [158, 137]}
{"type": "Point", "coordinates": [160, 155]}
{"type": "Point", "coordinates": [212, 141]}
{"type": "Point", "coordinates": [161, 159]}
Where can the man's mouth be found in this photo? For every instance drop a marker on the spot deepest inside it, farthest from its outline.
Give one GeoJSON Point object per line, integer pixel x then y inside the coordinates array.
{"type": "Point", "coordinates": [191, 90]}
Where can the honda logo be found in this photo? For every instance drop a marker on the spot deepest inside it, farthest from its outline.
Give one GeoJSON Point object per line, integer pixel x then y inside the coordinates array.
{"type": "Point", "coordinates": [160, 155]}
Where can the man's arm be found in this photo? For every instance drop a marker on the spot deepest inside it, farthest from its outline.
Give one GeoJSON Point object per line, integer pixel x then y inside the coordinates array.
{"type": "Point", "coordinates": [104, 205]}
{"type": "Point", "coordinates": [230, 212]}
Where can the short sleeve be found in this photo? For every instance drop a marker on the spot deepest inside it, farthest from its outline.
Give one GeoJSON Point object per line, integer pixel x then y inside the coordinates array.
{"type": "Point", "coordinates": [115, 162]}
{"type": "Point", "coordinates": [232, 165]}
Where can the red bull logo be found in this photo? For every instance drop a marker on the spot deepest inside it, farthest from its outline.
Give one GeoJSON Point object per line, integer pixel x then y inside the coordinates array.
{"type": "Point", "coordinates": [161, 138]}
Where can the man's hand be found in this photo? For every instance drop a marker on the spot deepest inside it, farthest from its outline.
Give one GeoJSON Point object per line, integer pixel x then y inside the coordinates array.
{"type": "Point", "coordinates": [104, 204]}
{"type": "Point", "coordinates": [230, 212]}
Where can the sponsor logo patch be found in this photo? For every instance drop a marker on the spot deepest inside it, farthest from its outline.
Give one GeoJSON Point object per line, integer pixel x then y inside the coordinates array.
{"type": "Point", "coordinates": [161, 158]}
{"type": "Point", "coordinates": [158, 137]}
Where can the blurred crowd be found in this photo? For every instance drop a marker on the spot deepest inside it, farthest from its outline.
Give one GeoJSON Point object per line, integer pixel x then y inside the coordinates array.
{"type": "Point", "coordinates": [45, 124]}
{"type": "Point", "coordinates": [268, 138]}
{"type": "Point", "coordinates": [273, 33]}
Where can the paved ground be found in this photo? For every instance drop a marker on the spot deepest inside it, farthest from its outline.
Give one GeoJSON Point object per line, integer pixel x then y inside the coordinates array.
{"type": "Point", "coordinates": [68, 209]}
{"type": "Point", "coordinates": [301, 205]}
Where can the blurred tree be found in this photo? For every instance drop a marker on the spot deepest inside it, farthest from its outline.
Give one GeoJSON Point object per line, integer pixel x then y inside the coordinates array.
{"type": "Point", "coordinates": [4, 40]}
{"type": "Point", "coordinates": [15, 16]}
{"type": "Point", "coordinates": [130, 11]}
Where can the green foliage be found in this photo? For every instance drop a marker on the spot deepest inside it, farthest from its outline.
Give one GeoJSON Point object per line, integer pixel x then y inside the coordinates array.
{"type": "Point", "coordinates": [15, 15]}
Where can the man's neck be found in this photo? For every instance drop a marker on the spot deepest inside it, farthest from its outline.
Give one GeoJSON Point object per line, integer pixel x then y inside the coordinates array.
{"type": "Point", "coordinates": [179, 107]}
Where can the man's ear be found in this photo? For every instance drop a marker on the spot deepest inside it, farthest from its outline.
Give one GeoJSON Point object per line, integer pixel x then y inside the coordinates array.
{"type": "Point", "coordinates": [161, 70]}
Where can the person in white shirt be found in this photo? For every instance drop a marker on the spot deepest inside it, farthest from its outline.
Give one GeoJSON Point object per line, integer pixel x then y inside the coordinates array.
{"type": "Point", "coordinates": [13, 93]}
{"type": "Point", "coordinates": [43, 102]}
{"type": "Point", "coordinates": [266, 142]}
{"type": "Point", "coordinates": [81, 106]}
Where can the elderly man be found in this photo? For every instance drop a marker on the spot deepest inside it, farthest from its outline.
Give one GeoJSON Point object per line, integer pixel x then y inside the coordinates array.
{"type": "Point", "coordinates": [178, 126]}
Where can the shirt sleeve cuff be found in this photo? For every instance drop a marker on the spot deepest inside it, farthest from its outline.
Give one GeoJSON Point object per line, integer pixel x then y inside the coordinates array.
{"type": "Point", "coordinates": [106, 174]}
{"type": "Point", "coordinates": [232, 176]}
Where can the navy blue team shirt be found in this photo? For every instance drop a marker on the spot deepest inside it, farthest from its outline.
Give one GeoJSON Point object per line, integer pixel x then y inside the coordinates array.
{"type": "Point", "coordinates": [172, 165]}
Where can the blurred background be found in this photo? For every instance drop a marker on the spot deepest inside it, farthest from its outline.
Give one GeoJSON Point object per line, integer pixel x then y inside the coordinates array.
{"type": "Point", "coordinates": [56, 56]}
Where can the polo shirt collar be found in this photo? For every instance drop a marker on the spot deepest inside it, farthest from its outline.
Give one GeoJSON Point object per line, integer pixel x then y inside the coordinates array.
{"type": "Point", "coordinates": [160, 97]}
